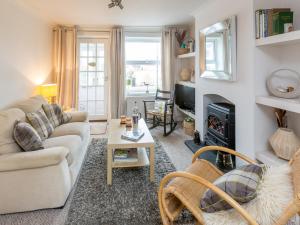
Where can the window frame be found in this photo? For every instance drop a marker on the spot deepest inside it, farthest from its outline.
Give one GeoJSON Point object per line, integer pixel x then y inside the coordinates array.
{"type": "Point", "coordinates": [143, 37]}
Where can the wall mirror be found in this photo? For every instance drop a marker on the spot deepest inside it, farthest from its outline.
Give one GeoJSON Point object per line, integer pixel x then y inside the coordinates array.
{"type": "Point", "coordinates": [218, 50]}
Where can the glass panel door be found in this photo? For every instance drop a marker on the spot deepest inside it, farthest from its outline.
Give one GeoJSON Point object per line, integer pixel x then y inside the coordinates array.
{"type": "Point", "coordinates": [92, 58]}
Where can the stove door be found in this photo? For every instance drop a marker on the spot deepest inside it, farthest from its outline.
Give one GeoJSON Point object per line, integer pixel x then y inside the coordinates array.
{"type": "Point", "coordinates": [217, 124]}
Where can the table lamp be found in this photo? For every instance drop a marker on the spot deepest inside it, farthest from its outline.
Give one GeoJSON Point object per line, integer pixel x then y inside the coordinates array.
{"type": "Point", "coordinates": [49, 91]}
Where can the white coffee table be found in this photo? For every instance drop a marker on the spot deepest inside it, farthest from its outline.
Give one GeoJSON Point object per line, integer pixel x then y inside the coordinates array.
{"type": "Point", "coordinates": [115, 130]}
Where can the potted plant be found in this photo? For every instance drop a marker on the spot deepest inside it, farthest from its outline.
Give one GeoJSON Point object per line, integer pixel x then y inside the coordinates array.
{"type": "Point", "coordinates": [189, 126]}
{"type": "Point", "coordinates": [284, 141]}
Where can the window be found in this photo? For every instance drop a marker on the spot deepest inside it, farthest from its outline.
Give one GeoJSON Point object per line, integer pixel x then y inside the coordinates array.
{"type": "Point", "coordinates": [143, 64]}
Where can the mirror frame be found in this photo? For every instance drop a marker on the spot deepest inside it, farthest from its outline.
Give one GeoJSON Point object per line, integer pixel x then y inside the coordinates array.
{"type": "Point", "coordinates": [219, 75]}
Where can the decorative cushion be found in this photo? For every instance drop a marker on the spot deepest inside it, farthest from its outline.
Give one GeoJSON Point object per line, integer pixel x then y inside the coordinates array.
{"type": "Point", "coordinates": [241, 184]}
{"type": "Point", "coordinates": [159, 106]}
{"type": "Point", "coordinates": [63, 117]}
{"type": "Point", "coordinates": [27, 137]}
{"type": "Point", "coordinates": [40, 123]}
{"type": "Point", "coordinates": [274, 194]}
{"type": "Point", "coordinates": [66, 117]}
{"type": "Point", "coordinates": [50, 113]}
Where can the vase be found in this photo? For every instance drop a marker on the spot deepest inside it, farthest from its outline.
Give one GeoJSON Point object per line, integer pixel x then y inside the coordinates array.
{"type": "Point", "coordinates": [185, 74]}
{"type": "Point", "coordinates": [284, 143]}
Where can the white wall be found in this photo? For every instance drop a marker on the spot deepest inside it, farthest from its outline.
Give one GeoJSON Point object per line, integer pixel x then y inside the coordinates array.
{"type": "Point", "coordinates": [25, 52]}
{"type": "Point", "coordinates": [241, 92]}
{"type": "Point", "coordinates": [267, 60]}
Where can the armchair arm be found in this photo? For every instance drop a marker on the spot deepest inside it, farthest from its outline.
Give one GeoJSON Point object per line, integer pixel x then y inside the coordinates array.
{"type": "Point", "coordinates": [34, 159]}
{"type": "Point", "coordinates": [222, 149]}
{"type": "Point", "coordinates": [202, 181]}
{"type": "Point", "coordinates": [78, 116]}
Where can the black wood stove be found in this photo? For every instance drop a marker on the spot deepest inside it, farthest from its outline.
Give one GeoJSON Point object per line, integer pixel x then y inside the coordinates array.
{"type": "Point", "coordinates": [221, 132]}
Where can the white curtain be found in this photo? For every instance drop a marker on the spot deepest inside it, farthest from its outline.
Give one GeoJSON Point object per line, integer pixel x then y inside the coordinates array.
{"type": "Point", "coordinates": [169, 67]}
{"type": "Point", "coordinates": [117, 84]}
{"type": "Point", "coordinates": [64, 65]}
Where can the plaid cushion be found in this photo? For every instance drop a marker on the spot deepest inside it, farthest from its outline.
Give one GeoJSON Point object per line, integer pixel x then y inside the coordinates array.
{"type": "Point", "coordinates": [40, 123]}
{"type": "Point", "coordinates": [66, 117]}
{"type": "Point", "coordinates": [241, 184]}
{"type": "Point", "coordinates": [62, 117]}
{"type": "Point", "coordinates": [27, 137]}
{"type": "Point", "coordinates": [51, 115]}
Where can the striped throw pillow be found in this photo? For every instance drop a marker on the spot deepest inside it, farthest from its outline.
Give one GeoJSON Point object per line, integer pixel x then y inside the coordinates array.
{"type": "Point", "coordinates": [56, 115]}
{"type": "Point", "coordinates": [66, 117]}
{"type": "Point", "coordinates": [27, 137]}
{"type": "Point", "coordinates": [40, 123]}
{"type": "Point", "coordinates": [51, 114]}
{"type": "Point", "coordinates": [241, 184]}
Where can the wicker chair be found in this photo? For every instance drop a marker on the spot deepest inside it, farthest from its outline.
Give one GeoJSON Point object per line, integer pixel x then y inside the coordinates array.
{"type": "Point", "coordinates": [179, 190]}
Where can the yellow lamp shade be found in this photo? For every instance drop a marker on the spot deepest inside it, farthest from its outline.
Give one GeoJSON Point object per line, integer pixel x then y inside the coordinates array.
{"type": "Point", "coordinates": [48, 91]}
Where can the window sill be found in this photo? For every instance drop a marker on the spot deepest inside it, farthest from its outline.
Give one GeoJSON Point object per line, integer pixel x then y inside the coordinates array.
{"type": "Point", "coordinates": [131, 95]}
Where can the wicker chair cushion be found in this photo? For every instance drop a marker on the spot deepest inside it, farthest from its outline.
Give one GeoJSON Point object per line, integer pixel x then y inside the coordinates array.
{"type": "Point", "coordinates": [241, 184]}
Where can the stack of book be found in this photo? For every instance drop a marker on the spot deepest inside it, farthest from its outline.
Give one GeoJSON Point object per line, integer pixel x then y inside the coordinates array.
{"type": "Point", "coordinates": [126, 155]}
{"type": "Point", "coordinates": [132, 135]}
{"type": "Point", "coordinates": [270, 22]}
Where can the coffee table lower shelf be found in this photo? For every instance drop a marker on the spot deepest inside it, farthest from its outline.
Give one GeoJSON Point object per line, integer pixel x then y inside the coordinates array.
{"type": "Point", "coordinates": [143, 160]}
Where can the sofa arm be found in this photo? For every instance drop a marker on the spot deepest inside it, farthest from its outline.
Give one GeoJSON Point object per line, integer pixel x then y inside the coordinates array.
{"type": "Point", "coordinates": [34, 159]}
{"type": "Point", "coordinates": [78, 116]}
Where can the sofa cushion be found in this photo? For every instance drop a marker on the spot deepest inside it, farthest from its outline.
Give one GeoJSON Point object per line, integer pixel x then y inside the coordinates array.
{"type": "Point", "coordinates": [66, 117]}
{"type": "Point", "coordinates": [72, 142]}
{"type": "Point", "coordinates": [30, 105]}
{"type": "Point", "coordinates": [50, 113]}
{"type": "Point", "coordinates": [40, 123]}
{"type": "Point", "coordinates": [78, 128]}
{"type": "Point", "coordinates": [27, 137]}
{"type": "Point", "coordinates": [7, 121]}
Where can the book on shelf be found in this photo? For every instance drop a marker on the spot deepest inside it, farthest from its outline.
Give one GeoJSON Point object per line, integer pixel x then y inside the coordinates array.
{"type": "Point", "coordinates": [132, 135]}
{"type": "Point", "coordinates": [126, 155]}
{"type": "Point", "coordinates": [270, 22]}
{"type": "Point", "coordinates": [279, 19]}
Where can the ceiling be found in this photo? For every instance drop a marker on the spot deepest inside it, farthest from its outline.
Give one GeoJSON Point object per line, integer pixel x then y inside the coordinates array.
{"type": "Point", "coordinates": [135, 12]}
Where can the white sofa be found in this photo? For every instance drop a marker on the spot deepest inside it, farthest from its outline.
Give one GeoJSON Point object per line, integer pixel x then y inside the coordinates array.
{"type": "Point", "coordinates": [40, 179]}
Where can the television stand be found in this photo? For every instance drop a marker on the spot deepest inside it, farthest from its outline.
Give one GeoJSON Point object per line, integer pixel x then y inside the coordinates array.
{"type": "Point", "coordinates": [186, 112]}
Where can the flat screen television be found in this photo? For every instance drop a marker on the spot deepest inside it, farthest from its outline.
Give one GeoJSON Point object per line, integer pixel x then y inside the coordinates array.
{"type": "Point", "coordinates": [185, 97]}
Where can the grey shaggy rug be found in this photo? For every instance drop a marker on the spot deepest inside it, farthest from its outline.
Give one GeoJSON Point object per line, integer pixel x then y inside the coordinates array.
{"type": "Point", "coordinates": [132, 198]}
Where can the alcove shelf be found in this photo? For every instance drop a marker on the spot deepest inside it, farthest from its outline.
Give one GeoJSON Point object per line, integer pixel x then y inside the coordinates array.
{"type": "Point", "coordinates": [269, 158]}
{"type": "Point", "coordinates": [280, 39]}
{"type": "Point", "coordinates": [291, 105]}
{"type": "Point", "coordinates": [187, 113]}
{"type": "Point", "coordinates": [187, 83]}
{"type": "Point", "coordinates": [187, 55]}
